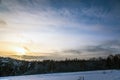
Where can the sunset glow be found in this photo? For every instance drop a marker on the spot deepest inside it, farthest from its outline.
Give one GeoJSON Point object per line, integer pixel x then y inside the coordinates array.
{"type": "Point", "coordinates": [59, 29]}
{"type": "Point", "coordinates": [20, 51]}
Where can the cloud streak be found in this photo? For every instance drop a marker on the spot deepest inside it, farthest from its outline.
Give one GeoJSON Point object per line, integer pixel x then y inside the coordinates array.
{"type": "Point", "coordinates": [2, 23]}
{"type": "Point", "coordinates": [43, 14]}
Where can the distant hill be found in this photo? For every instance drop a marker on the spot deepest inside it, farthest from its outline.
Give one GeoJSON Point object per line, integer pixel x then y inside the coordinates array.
{"type": "Point", "coordinates": [11, 67]}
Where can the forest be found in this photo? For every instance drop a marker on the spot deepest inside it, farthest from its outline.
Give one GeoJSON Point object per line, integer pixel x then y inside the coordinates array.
{"type": "Point", "coordinates": [13, 67]}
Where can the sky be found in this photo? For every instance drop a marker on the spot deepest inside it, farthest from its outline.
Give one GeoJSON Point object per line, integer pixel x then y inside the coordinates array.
{"type": "Point", "coordinates": [59, 29]}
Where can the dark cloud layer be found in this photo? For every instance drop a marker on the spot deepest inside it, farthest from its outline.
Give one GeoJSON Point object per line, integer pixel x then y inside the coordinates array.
{"type": "Point", "coordinates": [104, 48]}
{"type": "Point", "coordinates": [72, 51]}
{"type": "Point", "coordinates": [108, 47]}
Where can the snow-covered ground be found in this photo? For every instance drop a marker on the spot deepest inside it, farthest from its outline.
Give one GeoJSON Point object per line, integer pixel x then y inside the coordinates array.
{"type": "Point", "coordinates": [88, 75]}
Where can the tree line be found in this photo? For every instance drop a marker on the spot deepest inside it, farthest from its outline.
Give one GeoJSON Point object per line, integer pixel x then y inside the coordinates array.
{"type": "Point", "coordinates": [12, 67]}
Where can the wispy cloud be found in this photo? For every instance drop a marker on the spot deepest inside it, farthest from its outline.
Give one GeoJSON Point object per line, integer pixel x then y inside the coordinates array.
{"type": "Point", "coordinates": [43, 14]}
{"type": "Point", "coordinates": [2, 23]}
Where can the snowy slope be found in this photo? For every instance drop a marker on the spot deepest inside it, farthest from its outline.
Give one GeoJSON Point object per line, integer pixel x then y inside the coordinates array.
{"type": "Point", "coordinates": [89, 75]}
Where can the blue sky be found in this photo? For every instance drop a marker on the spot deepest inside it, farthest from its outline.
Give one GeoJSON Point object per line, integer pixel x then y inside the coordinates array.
{"type": "Point", "coordinates": [53, 27]}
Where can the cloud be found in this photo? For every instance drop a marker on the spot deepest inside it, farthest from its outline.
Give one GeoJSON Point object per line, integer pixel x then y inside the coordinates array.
{"type": "Point", "coordinates": [0, 1]}
{"type": "Point", "coordinates": [106, 48]}
{"type": "Point", "coordinates": [73, 51]}
{"type": "Point", "coordinates": [43, 14]}
{"type": "Point", "coordinates": [101, 50]}
{"type": "Point", "coordinates": [2, 23]}
{"type": "Point", "coordinates": [50, 15]}
{"type": "Point", "coordinates": [66, 24]}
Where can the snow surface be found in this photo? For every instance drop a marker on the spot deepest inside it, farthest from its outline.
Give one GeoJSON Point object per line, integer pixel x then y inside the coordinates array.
{"type": "Point", "coordinates": [88, 75]}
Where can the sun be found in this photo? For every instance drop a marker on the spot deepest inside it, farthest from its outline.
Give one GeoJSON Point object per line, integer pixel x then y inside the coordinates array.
{"type": "Point", "coordinates": [20, 51]}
